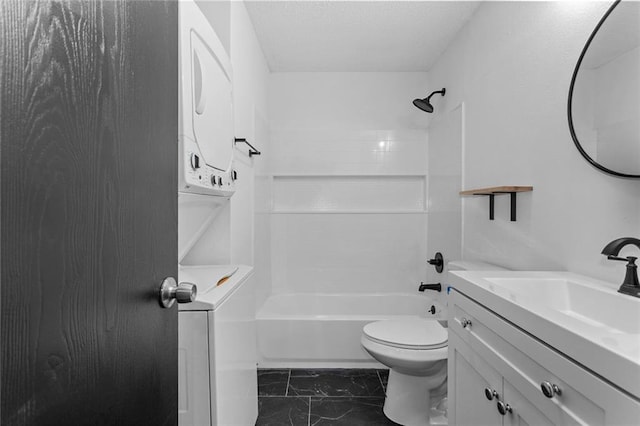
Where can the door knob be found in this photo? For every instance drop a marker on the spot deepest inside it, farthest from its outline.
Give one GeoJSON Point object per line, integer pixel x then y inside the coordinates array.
{"type": "Point", "coordinates": [170, 292]}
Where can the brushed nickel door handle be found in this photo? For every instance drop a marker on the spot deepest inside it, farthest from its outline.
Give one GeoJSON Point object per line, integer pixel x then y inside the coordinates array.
{"type": "Point", "coordinates": [171, 292]}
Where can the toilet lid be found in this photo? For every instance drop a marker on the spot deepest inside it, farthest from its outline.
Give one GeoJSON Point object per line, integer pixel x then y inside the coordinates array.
{"type": "Point", "coordinates": [413, 333]}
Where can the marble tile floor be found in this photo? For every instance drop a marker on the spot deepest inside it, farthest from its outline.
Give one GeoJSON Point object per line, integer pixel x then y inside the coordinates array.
{"type": "Point", "coordinates": [301, 397]}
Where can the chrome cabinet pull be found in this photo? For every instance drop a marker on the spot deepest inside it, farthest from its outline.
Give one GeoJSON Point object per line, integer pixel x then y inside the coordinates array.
{"type": "Point", "coordinates": [504, 408]}
{"type": "Point", "coordinates": [550, 389]}
{"type": "Point", "coordinates": [490, 393]}
{"type": "Point", "coordinates": [465, 323]}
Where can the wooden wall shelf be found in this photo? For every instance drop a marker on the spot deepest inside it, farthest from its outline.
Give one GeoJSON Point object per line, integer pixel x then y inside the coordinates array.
{"type": "Point", "coordinates": [498, 190]}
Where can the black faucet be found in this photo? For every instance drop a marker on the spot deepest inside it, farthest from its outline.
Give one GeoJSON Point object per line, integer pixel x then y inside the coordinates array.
{"type": "Point", "coordinates": [436, 287]}
{"type": "Point", "coordinates": [630, 285]}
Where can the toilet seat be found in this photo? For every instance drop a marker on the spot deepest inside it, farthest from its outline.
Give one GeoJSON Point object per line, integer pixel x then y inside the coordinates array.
{"type": "Point", "coordinates": [414, 333]}
{"type": "Point", "coordinates": [416, 352]}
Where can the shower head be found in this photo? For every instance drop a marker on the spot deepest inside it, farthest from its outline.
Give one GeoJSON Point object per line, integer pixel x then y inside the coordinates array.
{"type": "Point", "coordinates": [424, 104]}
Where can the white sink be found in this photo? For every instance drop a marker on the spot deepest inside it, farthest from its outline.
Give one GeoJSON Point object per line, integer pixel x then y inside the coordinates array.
{"type": "Point", "coordinates": [586, 319]}
{"type": "Point", "coordinates": [598, 306]}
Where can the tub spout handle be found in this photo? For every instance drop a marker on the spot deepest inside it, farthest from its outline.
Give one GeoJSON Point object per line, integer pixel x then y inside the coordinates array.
{"type": "Point", "coordinates": [436, 287]}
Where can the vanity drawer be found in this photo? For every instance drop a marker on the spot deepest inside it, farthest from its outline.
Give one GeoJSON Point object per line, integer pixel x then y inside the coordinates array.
{"type": "Point", "coordinates": [527, 363]}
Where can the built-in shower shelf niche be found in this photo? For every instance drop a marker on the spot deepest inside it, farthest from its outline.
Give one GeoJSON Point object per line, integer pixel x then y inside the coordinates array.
{"type": "Point", "coordinates": [349, 194]}
{"type": "Point", "coordinates": [491, 192]}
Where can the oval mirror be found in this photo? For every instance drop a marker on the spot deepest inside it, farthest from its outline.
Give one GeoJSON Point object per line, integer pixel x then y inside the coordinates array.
{"type": "Point", "coordinates": [604, 96]}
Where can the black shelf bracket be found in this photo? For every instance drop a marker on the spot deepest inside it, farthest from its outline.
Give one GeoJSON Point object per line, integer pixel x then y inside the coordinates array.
{"type": "Point", "coordinates": [492, 204]}
{"type": "Point", "coordinates": [252, 150]}
{"type": "Point", "coordinates": [492, 208]}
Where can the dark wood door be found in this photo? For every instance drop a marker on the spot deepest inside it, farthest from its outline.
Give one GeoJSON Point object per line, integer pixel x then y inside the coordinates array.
{"type": "Point", "coordinates": [88, 213]}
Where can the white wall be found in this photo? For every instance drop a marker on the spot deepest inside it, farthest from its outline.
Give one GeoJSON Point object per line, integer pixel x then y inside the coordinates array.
{"type": "Point", "coordinates": [250, 77]}
{"type": "Point", "coordinates": [511, 67]}
{"type": "Point", "coordinates": [349, 182]}
{"type": "Point", "coordinates": [249, 234]}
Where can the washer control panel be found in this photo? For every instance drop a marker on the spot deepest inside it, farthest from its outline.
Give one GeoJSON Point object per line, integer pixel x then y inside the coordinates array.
{"type": "Point", "coordinates": [197, 176]}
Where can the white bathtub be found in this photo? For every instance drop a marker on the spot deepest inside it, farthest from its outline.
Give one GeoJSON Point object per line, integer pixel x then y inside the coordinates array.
{"type": "Point", "coordinates": [323, 330]}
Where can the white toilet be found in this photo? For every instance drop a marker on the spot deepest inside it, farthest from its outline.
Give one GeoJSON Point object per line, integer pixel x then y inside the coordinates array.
{"type": "Point", "coordinates": [415, 350]}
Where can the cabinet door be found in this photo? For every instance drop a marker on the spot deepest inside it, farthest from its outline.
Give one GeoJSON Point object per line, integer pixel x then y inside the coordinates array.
{"type": "Point", "coordinates": [523, 411]}
{"type": "Point", "coordinates": [469, 376]}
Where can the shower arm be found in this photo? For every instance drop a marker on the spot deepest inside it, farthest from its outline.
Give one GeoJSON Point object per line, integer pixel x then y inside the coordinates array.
{"type": "Point", "coordinates": [441, 92]}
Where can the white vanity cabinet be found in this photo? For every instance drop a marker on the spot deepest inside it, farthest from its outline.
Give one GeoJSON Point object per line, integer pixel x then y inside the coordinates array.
{"type": "Point", "coordinates": [489, 355]}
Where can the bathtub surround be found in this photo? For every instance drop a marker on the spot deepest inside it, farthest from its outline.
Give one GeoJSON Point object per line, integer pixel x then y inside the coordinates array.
{"type": "Point", "coordinates": [344, 211]}
{"type": "Point", "coordinates": [359, 135]}
{"type": "Point", "coordinates": [321, 397]}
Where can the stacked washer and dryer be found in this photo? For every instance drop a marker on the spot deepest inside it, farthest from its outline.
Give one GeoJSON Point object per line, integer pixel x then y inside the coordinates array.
{"type": "Point", "coordinates": [216, 337]}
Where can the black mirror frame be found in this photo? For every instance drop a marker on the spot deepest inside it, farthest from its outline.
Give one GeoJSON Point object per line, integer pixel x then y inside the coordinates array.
{"type": "Point", "coordinates": [569, 115]}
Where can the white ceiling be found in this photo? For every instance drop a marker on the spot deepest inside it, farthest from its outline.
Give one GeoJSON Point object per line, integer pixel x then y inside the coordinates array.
{"type": "Point", "coordinates": [334, 35]}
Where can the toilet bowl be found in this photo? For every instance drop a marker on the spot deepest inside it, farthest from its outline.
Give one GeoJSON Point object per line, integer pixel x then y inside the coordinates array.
{"type": "Point", "coordinates": [415, 350]}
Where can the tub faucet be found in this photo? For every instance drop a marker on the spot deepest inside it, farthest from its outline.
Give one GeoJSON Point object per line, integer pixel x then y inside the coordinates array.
{"type": "Point", "coordinates": [436, 287]}
{"type": "Point", "coordinates": [630, 285]}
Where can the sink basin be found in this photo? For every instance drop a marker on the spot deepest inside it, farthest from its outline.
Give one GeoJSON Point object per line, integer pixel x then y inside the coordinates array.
{"type": "Point", "coordinates": [597, 306]}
